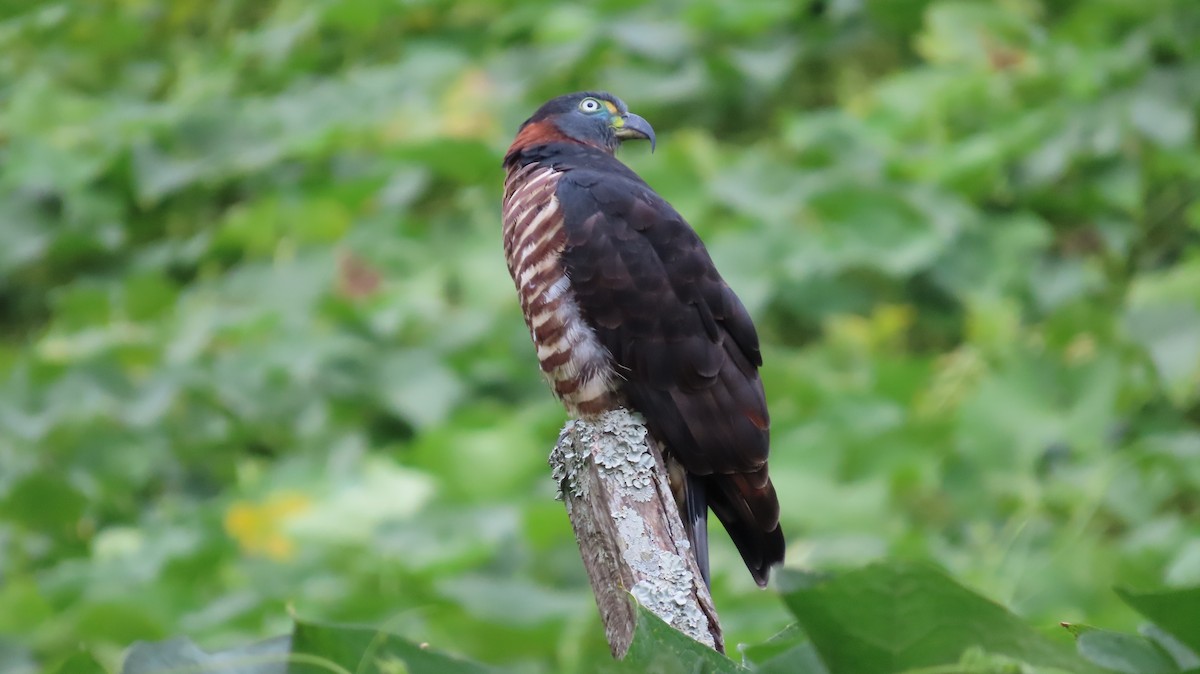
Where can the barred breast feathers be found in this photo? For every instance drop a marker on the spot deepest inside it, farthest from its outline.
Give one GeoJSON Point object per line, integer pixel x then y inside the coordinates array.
{"type": "Point", "coordinates": [577, 366]}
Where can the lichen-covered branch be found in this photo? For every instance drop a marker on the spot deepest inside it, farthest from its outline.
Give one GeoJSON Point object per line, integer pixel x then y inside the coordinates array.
{"type": "Point", "coordinates": [611, 478]}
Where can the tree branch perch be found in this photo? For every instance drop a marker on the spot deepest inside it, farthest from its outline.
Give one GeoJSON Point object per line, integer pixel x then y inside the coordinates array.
{"type": "Point", "coordinates": [611, 477]}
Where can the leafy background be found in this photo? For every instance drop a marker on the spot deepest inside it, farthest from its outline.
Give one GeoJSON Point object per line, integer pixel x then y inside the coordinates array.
{"type": "Point", "coordinates": [260, 353]}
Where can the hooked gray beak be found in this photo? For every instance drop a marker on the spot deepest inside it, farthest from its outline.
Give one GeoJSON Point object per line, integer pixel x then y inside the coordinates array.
{"type": "Point", "coordinates": [631, 126]}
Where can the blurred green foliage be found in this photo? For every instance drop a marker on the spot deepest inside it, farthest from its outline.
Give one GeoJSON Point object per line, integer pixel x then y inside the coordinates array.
{"type": "Point", "coordinates": [891, 617]}
{"type": "Point", "coordinates": [259, 348]}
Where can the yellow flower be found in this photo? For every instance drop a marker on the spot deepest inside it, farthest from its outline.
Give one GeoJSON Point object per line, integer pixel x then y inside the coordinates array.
{"type": "Point", "coordinates": [259, 527]}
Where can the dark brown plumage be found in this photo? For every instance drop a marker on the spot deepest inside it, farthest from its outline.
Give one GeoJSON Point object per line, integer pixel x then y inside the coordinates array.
{"type": "Point", "coordinates": [625, 307]}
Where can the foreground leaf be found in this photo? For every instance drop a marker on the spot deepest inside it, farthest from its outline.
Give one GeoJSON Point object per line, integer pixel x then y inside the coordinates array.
{"type": "Point", "coordinates": [661, 649]}
{"type": "Point", "coordinates": [1126, 653]}
{"type": "Point", "coordinates": [789, 652]}
{"type": "Point", "coordinates": [1185, 657]}
{"type": "Point", "coordinates": [1176, 611]}
{"type": "Point", "coordinates": [321, 649]}
{"type": "Point", "coordinates": [896, 616]}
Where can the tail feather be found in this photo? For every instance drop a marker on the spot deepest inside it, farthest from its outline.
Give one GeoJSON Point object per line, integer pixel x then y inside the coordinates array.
{"type": "Point", "coordinates": [746, 505]}
{"type": "Point", "coordinates": [695, 519]}
{"type": "Point", "coordinates": [750, 513]}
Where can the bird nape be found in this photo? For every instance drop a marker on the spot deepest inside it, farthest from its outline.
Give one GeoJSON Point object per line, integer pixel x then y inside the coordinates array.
{"type": "Point", "coordinates": [626, 308]}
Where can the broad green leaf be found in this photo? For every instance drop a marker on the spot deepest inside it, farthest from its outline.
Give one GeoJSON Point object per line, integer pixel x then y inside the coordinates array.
{"type": "Point", "coordinates": [799, 659]}
{"type": "Point", "coordinates": [79, 663]}
{"type": "Point", "coordinates": [1117, 652]}
{"type": "Point", "coordinates": [1163, 120]}
{"type": "Point", "coordinates": [893, 616]}
{"type": "Point", "coordinates": [789, 652]}
{"type": "Point", "coordinates": [324, 649]}
{"type": "Point", "coordinates": [25, 607]}
{"type": "Point", "coordinates": [1183, 656]}
{"type": "Point", "coordinates": [1175, 611]}
{"type": "Point", "coordinates": [417, 387]}
{"type": "Point", "coordinates": [511, 601]}
{"type": "Point", "coordinates": [978, 661]}
{"type": "Point", "coordinates": [45, 501]}
{"type": "Point", "coordinates": [1184, 569]}
{"type": "Point", "coordinates": [790, 637]}
{"type": "Point", "coordinates": [1170, 333]}
{"type": "Point", "coordinates": [876, 226]}
{"type": "Point", "coordinates": [661, 649]}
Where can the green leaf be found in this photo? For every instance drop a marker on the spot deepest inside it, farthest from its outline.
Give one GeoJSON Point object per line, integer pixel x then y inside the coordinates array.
{"type": "Point", "coordinates": [799, 659]}
{"type": "Point", "coordinates": [872, 226]}
{"type": "Point", "coordinates": [1162, 120]}
{"type": "Point", "coordinates": [44, 501]}
{"type": "Point", "coordinates": [15, 657]}
{"type": "Point", "coordinates": [181, 655]}
{"type": "Point", "coordinates": [417, 387]}
{"type": "Point", "coordinates": [1185, 657]}
{"type": "Point", "coordinates": [80, 662]}
{"type": "Point", "coordinates": [893, 616]}
{"type": "Point", "coordinates": [512, 601]}
{"type": "Point", "coordinates": [789, 652]}
{"type": "Point", "coordinates": [658, 647]}
{"type": "Point", "coordinates": [24, 237]}
{"type": "Point", "coordinates": [963, 31]}
{"type": "Point", "coordinates": [463, 160]}
{"type": "Point", "coordinates": [1184, 569]}
{"type": "Point", "coordinates": [1175, 611]}
{"type": "Point", "coordinates": [1163, 317]}
{"type": "Point", "coordinates": [323, 649]}
{"type": "Point", "coordinates": [24, 607]}
{"type": "Point", "coordinates": [1170, 333]}
{"type": "Point", "coordinates": [784, 641]}
{"type": "Point", "coordinates": [978, 661]}
{"type": "Point", "coordinates": [1126, 653]}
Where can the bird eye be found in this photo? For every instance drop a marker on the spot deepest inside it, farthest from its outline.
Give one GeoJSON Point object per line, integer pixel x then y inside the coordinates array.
{"type": "Point", "coordinates": [589, 105]}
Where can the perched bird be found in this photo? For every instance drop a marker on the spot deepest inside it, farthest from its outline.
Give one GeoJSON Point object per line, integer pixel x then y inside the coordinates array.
{"type": "Point", "coordinates": [626, 308]}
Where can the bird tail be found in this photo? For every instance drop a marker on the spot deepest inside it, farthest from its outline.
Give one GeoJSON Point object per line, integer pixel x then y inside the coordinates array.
{"type": "Point", "coordinates": [692, 500]}
{"type": "Point", "coordinates": [695, 519]}
{"type": "Point", "coordinates": [746, 504]}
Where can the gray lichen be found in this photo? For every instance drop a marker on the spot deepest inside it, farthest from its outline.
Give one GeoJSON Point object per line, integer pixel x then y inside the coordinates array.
{"type": "Point", "coordinates": [567, 463]}
{"type": "Point", "coordinates": [665, 587]}
{"type": "Point", "coordinates": [617, 442]}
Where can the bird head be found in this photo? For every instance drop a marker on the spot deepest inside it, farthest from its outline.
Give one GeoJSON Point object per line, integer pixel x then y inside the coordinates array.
{"type": "Point", "coordinates": [593, 118]}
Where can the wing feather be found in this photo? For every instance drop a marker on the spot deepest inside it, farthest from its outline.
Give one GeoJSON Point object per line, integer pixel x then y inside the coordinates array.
{"type": "Point", "coordinates": [683, 342]}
